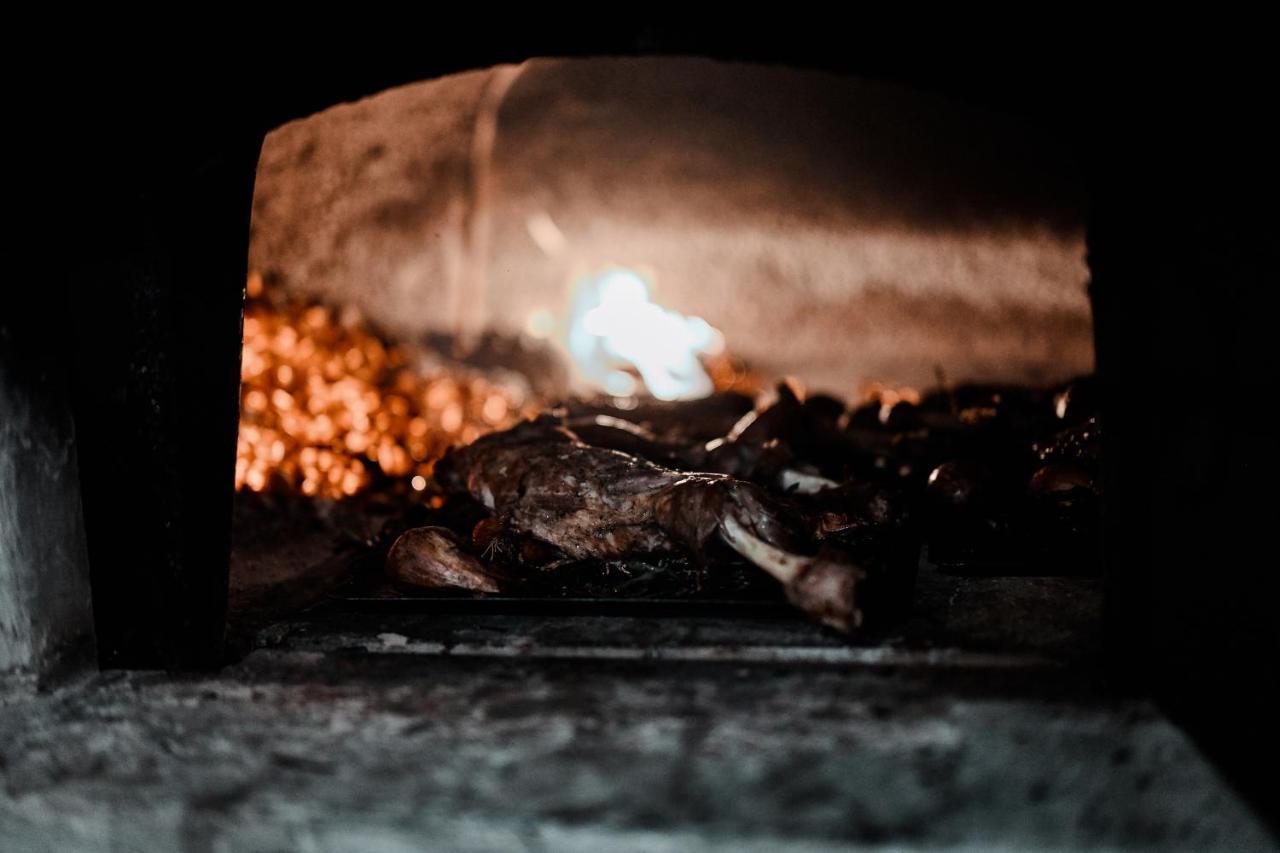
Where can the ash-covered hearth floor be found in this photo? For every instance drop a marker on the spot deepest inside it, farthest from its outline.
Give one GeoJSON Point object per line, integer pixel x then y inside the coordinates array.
{"type": "Point", "coordinates": [406, 732]}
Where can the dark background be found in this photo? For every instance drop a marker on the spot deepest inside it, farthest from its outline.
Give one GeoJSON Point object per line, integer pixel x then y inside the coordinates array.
{"type": "Point", "coordinates": [136, 147]}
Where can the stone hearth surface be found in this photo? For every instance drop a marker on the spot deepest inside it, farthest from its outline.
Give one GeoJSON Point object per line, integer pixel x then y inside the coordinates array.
{"type": "Point", "coordinates": [411, 731]}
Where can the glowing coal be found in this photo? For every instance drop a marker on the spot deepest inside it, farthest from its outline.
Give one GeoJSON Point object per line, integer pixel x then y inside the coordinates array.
{"type": "Point", "coordinates": [328, 407]}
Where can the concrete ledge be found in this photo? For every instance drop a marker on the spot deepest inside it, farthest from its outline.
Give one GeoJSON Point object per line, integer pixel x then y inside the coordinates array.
{"type": "Point", "coordinates": [300, 748]}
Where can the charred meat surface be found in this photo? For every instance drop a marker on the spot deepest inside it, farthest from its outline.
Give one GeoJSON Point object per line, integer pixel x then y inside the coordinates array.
{"type": "Point", "coordinates": [683, 422]}
{"type": "Point", "coordinates": [592, 500]}
{"type": "Point", "coordinates": [540, 480]}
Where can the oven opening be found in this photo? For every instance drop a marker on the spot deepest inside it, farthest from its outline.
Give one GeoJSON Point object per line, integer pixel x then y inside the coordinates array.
{"type": "Point", "coordinates": [671, 336]}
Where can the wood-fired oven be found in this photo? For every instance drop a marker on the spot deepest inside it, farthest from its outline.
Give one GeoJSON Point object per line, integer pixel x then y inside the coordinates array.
{"type": "Point", "coordinates": [275, 293]}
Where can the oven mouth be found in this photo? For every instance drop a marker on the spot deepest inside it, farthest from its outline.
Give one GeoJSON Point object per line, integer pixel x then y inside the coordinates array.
{"type": "Point", "coordinates": [633, 245]}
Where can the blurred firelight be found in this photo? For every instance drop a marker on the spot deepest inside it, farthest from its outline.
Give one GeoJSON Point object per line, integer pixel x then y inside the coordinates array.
{"type": "Point", "coordinates": [327, 407]}
{"type": "Point", "coordinates": [887, 396]}
{"type": "Point", "coordinates": [616, 332]}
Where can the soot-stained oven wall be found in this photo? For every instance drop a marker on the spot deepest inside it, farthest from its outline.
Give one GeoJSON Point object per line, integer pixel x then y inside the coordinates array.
{"type": "Point", "coordinates": [155, 152]}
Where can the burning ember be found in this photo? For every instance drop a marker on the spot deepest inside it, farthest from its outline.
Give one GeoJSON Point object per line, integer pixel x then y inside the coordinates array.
{"type": "Point", "coordinates": [327, 407]}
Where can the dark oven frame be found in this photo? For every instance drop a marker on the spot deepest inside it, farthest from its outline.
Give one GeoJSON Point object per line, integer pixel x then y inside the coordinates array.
{"type": "Point", "coordinates": [158, 150]}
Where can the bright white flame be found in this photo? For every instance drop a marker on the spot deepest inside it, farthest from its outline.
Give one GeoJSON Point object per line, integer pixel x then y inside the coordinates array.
{"type": "Point", "coordinates": [613, 325]}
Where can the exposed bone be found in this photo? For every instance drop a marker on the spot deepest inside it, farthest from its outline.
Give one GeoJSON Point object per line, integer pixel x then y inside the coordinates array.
{"type": "Point", "coordinates": [826, 591]}
{"type": "Point", "coordinates": [433, 558]}
{"type": "Point", "coordinates": [822, 587]}
{"type": "Point", "coordinates": [783, 565]}
{"type": "Point", "coordinates": [804, 483]}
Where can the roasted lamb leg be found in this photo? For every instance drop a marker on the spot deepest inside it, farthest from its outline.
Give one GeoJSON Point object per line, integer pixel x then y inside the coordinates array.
{"type": "Point", "coordinates": [592, 502]}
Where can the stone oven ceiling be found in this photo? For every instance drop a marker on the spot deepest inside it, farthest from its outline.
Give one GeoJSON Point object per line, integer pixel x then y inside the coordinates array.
{"type": "Point", "coordinates": [830, 227]}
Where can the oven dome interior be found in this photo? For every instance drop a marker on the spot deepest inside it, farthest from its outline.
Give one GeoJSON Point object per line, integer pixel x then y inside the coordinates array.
{"type": "Point", "coordinates": [832, 228]}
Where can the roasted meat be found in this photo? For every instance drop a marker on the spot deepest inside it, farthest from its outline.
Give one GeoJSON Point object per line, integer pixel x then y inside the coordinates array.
{"type": "Point", "coordinates": [824, 500]}
{"type": "Point", "coordinates": [541, 481]}
{"type": "Point", "coordinates": [434, 558]}
{"type": "Point", "coordinates": [682, 421]}
{"type": "Point", "coordinates": [792, 445]}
